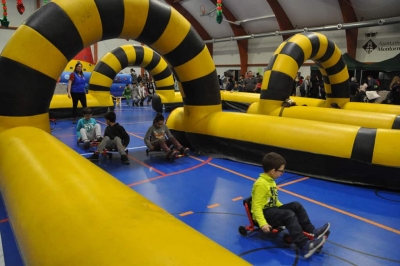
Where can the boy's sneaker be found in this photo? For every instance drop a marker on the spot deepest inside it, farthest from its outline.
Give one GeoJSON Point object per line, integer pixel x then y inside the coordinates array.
{"type": "Point", "coordinates": [124, 159]}
{"type": "Point", "coordinates": [172, 154]}
{"type": "Point", "coordinates": [99, 139]}
{"type": "Point", "coordinates": [95, 156]}
{"type": "Point", "coordinates": [320, 232]}
{"type": "Point", "coordinates": [311, 246]}
{"type": "Point", "coordinates": [86, 144]}
{"type": "Point", "coordinates": [184, 151]}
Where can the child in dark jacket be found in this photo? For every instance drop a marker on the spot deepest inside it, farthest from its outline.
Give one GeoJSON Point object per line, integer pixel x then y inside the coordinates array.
{"type": "Point", "coordinates": [159, 137]}
{"type": "Point", "coordinates": [115, 137]}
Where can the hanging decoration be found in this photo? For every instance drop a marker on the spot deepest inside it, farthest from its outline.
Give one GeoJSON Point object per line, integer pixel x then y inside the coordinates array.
{"type": "Point", "coordinates": [219, 11]}
{"type": "Point", "coordinates": [4, 22]}
{"type": "Point", "coordinates": [20, 7]}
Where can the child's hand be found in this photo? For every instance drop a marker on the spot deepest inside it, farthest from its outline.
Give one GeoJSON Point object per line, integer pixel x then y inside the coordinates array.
{"type": "Point", "coordinates": [152, 148]}
{"type": "Point", "coordinates": [266, 228]}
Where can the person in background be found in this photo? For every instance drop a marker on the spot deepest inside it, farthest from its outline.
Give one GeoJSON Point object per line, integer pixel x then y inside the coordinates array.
{"type": "Point", "coordinates": [76, 89]}
{"type": "Point", "coordinates": [127, 93]}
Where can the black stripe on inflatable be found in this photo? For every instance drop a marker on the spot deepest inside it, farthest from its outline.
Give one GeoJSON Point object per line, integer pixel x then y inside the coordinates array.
{"type": "Point", "coordinates": [329, 52]}
{"type": "Point", "coordinates": [189, 48]}
{"type": "Point", "coordinates": [363, 148]}
{"type": "Point", "coordinates": [55, 25]}
{"type": "Point", "coordinates": [272, 62]}
{"type": "Point", "coordinates": [327, 167]}
{"type": "Point", "coordinates": [396, 123]}
{"type": "Point", "coordinates": [105, 69]}
{"type": "Point", "coordinates": [166, 88]}
{"type": "Point", "coordinates": [95, 87]}
{"type": "Point", "coordinates": [315, 44]}
{"type": "Point", "coordinates": [163, 74]}
{"type": "Point", "coordinates": [294, 50]}
{"type": "Point", "coordinates": [203, 91]}
{"type": "Point", "coordinates": [157, 21]}
{"type": "Point", "coordinates": [27, 96]}
{"type": "Point", "coordinates": [339, 66]}
{"type": "Point", "coordinates": [139, 55]}
{"type": "Point", "coordinates": [122, 57]}
{"type": "Point", "coordinates": [340, 90]}
{"type": "Point", "coordinates": [326, 79]}
{"type": "Point", "coordinates": [112, 15]}
{"type": "Point", "coordinates": [154, 62]}
{"type": "Point", "coordinates": [280, 88]}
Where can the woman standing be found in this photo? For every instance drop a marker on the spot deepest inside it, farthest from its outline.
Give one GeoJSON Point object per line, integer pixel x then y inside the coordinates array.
{"type": "Point", "coordinates": [76, 89]}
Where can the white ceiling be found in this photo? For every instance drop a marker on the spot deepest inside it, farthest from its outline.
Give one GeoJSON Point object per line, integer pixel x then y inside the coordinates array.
{"type": "Point", "coordinates": [301, 13]}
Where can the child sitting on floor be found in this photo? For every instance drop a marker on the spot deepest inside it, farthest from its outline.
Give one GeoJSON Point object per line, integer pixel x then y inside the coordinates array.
{"type": "Point", "coordinates": [115, 137]}
{"type": "Point", "coordinates": [159, 137]}
{"type": "Point", "coordinates": [270, 213]}
{"type": "Point", "coordinates": [87, 129]}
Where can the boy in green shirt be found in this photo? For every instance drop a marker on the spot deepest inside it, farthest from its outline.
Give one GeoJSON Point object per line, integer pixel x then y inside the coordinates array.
{"type": "Point", "coordinates": [266, 207]}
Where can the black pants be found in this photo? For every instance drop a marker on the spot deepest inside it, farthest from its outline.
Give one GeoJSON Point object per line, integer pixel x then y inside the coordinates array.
{"type": "Point", "coordinates": [294, 217]}
{"type": "Point", "coordinates": [75, 98]}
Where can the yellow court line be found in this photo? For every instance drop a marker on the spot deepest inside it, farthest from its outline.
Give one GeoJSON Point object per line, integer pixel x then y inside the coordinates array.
{"type": "Point", "coordinates": [238, 198]}
{"type": "Point", "coordinates": [185, 213]}
{"type": "Point", "coordinates": [213, 206]}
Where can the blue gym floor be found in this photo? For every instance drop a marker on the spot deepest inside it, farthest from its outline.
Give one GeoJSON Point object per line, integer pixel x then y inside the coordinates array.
{"type": "Point", "coordinates": [207, 194]}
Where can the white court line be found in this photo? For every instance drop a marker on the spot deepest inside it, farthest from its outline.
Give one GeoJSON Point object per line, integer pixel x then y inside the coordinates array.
{"type": "Point", "coordinates": [2, 263]}
{"type": "Point", "coordinates": [134, 148]}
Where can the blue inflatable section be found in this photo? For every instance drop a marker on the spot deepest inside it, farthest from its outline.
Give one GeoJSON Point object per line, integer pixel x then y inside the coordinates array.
{"type": "Point", "coordinates": [117, 86]}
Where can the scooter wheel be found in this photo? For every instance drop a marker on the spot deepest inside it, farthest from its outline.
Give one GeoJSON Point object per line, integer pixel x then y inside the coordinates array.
{"type": "Point", "coordinates": [287, 239]}
{"type": "Point", "coordinates": [242, 230]}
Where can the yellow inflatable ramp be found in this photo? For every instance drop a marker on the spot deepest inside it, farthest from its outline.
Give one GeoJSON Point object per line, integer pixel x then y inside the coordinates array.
{"type": "Point", "coordinates": [64, 210]}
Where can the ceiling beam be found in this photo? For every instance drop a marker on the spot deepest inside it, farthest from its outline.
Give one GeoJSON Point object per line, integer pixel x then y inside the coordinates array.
{"type": "Point", "coordinates": [238, 30]}
{"type": "Point", "coordinates": [196, 25]}
{"type": "Point", "coordinates": [349, 15]}
{"type": "Point", "coordinates": [281, 17]}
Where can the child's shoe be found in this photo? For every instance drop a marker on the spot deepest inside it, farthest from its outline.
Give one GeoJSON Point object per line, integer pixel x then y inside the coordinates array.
{"type": "Point", "coordinates": [95, 156]}
{"type": "Point", "coordinates": [320, 232]}
{"type": "Point", "coordinates": [124, 159]}
{"type": "Point", "coordinates": [99, 138]}
{"type": "Point", "coordinates": [86, 144]}
{"type": "Point", "coordinates": [311, 246]}
{"type": "Point", "coordinates": [184, 151]}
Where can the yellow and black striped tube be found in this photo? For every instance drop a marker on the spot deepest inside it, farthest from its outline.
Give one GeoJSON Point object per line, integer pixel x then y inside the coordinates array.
{"type": "Point", "coordinates": [130, 55]}
{"type": "Point", "coordinates": [43, 45]}
{"type": "Point", "coordinates": [291, 54]}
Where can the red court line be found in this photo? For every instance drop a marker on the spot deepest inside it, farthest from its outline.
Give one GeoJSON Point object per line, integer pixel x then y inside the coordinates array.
{"type": "Point", "coordinates": [173, 173]}
{"type": "Point", "coordinates": [4, 220]}
{"type": "Point", "coordinates": [148, 166]}
{"type": "Point", "coordinates": [341, 211]}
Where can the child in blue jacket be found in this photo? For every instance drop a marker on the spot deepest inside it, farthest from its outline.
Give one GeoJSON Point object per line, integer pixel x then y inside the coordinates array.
{"type": "Point", "coordinates": [88, 129]}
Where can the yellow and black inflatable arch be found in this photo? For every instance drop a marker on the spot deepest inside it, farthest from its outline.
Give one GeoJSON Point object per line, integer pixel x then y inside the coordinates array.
{"type": "Point", "coordinates": [60, 29]}
{"type": "Point", "coordinates": [289, 57]}
{"type": "Point", "coordinates": [134, 55]}
{"type": "Point", "coordinates": [109, 217]}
